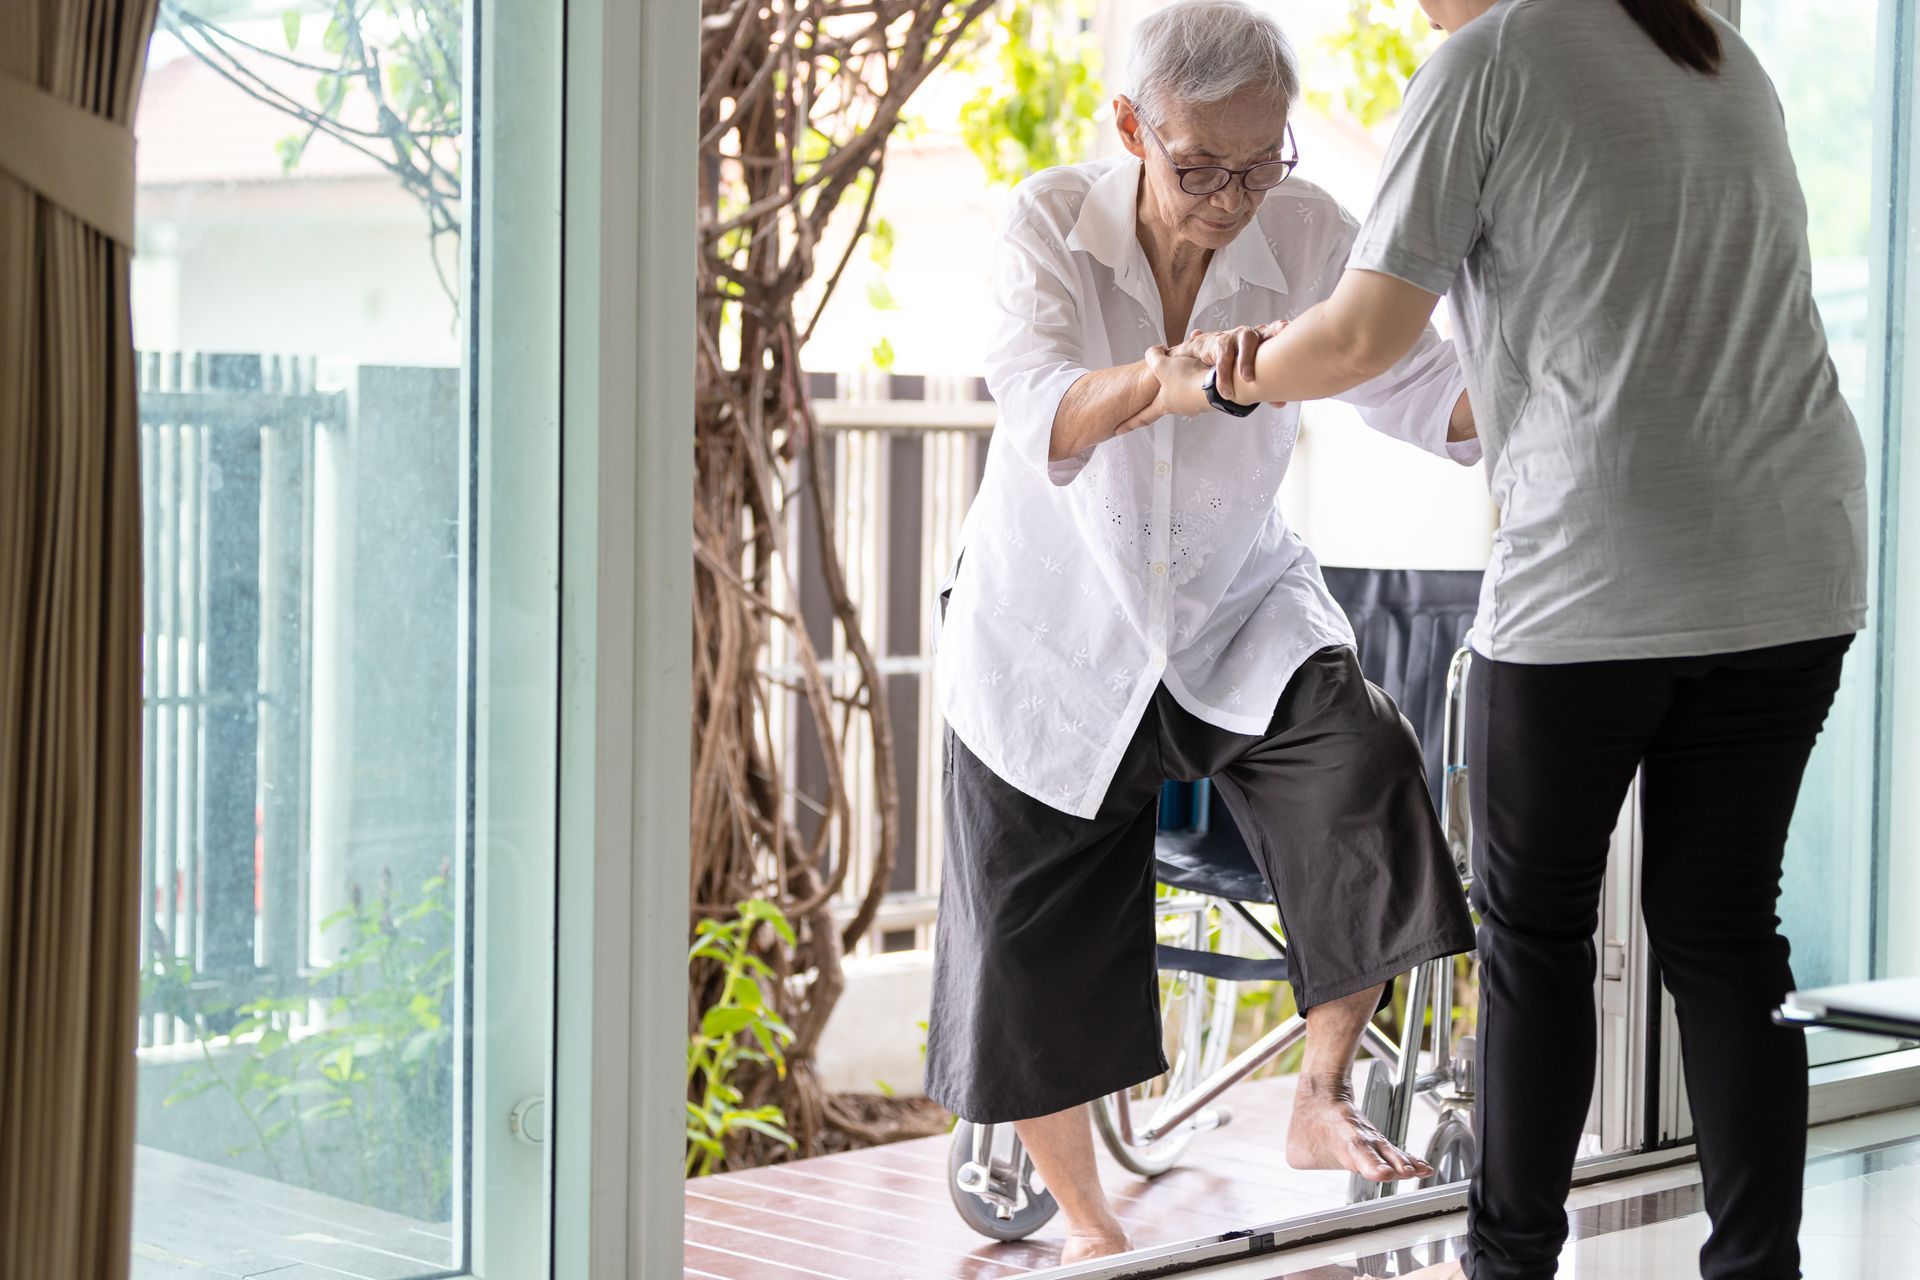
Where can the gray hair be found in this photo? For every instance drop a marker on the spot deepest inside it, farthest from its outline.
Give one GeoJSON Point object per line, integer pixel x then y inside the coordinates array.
{"type": "Point", "coordinates": [1206, 51]}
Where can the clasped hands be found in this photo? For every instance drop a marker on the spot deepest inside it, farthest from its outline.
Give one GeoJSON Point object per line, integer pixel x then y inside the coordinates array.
{"type": "Point", "coordinates": [1181, 369]}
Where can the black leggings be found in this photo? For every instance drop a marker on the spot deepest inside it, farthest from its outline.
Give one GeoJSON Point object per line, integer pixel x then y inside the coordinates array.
{"type": "Point", "coordinates": [1724, 740]}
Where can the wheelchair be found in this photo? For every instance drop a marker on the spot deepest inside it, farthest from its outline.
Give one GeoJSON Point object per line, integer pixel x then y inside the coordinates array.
{"type": "Point", "coordinates": [1410, 627]}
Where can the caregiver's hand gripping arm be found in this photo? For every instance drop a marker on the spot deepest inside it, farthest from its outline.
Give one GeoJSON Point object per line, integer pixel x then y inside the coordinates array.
{"type": "Point", "coordinates": [1359, 333]}
{"type": "Point", "coordinates": [1369, 324]}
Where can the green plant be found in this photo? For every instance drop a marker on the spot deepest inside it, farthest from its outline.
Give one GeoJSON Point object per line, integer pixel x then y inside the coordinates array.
{"type": "Point", "coordinates": [379, 77]}
{"type": "Point", "coordinates": [355, 1058]}
{"type": "Point", "coordinates": [1376, 53]}
{"type": "Point", "coordinates": [740, 1026]}
{"type": "Point", "coordinates": [1036, 109]}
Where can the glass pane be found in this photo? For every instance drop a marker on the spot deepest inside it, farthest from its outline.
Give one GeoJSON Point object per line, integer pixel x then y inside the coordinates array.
{"type": "Point", "coordinates": [1898, 890]}
{"type": "Point", "coordinates": [315, 1038]}
{"type": "Point", "coordinates": [1829, 68]}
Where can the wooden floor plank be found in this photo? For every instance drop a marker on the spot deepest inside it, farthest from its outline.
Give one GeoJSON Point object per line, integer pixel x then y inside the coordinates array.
{"type": "Point", "coordinates": [865, 1215]}
{"type": "Point", "coordinates": [730, 1264]}
{"type": "Point", "coordinates": [858, 1253]}
{"type": "Point", "coordinates": [946, 1230]}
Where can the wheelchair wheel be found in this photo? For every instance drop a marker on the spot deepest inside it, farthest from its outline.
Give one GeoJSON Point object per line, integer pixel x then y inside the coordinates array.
{"type": "Point", "coordinates": [1453, 1153]}
{"type": "Point", "coordinates": [1196, 1016]}
{"type": "Point", "coordinates": [1012, 1211]}
{"type": "Point", "coordinates": [1375, 1097]}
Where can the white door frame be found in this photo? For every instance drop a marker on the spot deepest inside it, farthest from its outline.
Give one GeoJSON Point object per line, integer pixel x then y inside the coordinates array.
{"type": "Point", "coordinates": [619, 1120]}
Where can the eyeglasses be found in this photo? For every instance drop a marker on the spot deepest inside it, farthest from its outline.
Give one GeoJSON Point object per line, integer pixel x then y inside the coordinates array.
{"type": "Point", "coordinates": [1205, 179]}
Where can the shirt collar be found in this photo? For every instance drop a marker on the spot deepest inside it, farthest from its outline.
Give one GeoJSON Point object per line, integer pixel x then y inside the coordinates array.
{"type": "Point", "coordinates": [1105, 229]}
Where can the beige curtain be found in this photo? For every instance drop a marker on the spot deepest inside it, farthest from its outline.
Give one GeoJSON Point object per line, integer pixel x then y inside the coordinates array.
{"type": "Point", "coordinates": [69, 636]}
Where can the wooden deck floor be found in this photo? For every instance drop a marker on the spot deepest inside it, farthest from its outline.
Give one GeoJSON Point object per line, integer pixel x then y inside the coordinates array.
{"type": "Point", "coordinates": [884, 1213]}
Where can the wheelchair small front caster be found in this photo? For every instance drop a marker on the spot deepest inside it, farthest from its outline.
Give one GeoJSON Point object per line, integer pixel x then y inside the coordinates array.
{"type": "Point", "coordinates": [1452, 1152]}
{"type": "Point", "coordinates": [994, 1185]}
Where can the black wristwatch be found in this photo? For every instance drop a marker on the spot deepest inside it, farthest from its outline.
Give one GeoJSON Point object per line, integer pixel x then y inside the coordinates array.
{"type": "Point", "coordinates": [1220, 402]}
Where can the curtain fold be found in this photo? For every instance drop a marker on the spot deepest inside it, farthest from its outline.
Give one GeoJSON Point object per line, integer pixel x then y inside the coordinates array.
{"type": "Point", "coordinates": [70, 662]}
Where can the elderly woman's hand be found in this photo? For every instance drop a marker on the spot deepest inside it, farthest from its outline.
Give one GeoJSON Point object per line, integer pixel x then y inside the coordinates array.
{"type": "Point", "coordinates": [1232, 351]}
{"type": "Point", "coordinates": [1180, 376]}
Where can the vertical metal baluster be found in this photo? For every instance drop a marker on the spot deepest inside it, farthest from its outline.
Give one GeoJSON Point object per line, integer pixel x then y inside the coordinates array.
{"type": "Point", "coordinates": [283, 501]}
{"type": "Point", "coordinates": [150, 650]}
{"type": "Point", "coordinates": [188, 481]}
{"type": "Point", "coordinates": [193, 616]}
{"type": "Point", "coordinates": [159, 903]}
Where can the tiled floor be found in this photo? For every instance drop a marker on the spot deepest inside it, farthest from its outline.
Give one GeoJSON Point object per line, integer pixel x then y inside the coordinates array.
{"type": "Point", "coordinates": [1862, 1221]}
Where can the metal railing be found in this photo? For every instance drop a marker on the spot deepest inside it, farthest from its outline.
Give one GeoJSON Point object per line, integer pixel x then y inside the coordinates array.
{"type": "Point", "coordinates": [906, 458]}
{"type": "Point", "coordinates": [226, 449]}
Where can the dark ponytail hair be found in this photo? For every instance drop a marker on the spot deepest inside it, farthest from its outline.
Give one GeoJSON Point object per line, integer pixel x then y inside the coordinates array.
{"type": "Point", "coordinates": [1682, 31]}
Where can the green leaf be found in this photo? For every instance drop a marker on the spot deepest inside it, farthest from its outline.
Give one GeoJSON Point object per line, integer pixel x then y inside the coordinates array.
{"type": "Point", "coordinates": [327, 1110]}
{"type": "Point", "coordinates": [422, 1006]}
{"type": "Point", "coordinates": [745, 992]}
{"type": "Point", "coordinates": [288, 149]}
{"type": "Point", "coordinates": [301, 1088]}
{"type": "Point", "coordinates": [339, 1066]}
{"type": "Point", "coordinates": [423, 1043]}
{"type": "Point", "coordinates": [187, 1093]}
{"type": "Point", "coordinates": [335, 39]}
{"type": "Point", "coordinates": [880, 298]}
{"type": "Point", "coordinates": [723, 1021]}
{"type": "Point", "coordinates": [290, 25]}
{"type": "Point", "coordinates": [773, 1131]}
{"type": "Point", "coordinates": [880, 241]}
{"type": "Point", "coordinates": [403, 82]}
{"type": "Point", "coordinates": [883, 355]}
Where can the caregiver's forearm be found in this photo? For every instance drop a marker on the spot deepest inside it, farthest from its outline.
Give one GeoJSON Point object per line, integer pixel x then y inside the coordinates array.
{"type": "Point", "coordinates": [1317, 356]}
{"type": "Point", "coordinates": [1357, 334]}
{"type": "Point", "coordinates": [1098, 405]}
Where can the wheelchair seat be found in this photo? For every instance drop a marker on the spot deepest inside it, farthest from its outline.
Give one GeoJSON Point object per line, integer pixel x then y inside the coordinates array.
{"type": "Point", "coordinates": [1214, 861]}
{"type": "Point", "coordinates": [1408, 624]}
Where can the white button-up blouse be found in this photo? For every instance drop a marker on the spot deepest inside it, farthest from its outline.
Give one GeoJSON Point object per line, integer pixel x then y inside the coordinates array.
{"type": "Point", "coordinates": [1160, 556]}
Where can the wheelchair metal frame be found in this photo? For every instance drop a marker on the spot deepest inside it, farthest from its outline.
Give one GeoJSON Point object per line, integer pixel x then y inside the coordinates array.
{"type": "Point", "coordinates": [1009, 1186]}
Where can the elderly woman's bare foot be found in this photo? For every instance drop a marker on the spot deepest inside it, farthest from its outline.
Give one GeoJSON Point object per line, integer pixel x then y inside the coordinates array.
{"type": "Point", "coordinates": [1329, 1132]}
{"type": "Point", "coordinates": [1102, 1242]}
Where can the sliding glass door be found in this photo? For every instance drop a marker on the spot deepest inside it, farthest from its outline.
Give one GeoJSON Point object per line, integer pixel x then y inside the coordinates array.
{"type": "Point", "coordinates": [346, 304]}
{"type": "Point", "coordinates": [1843, 73]}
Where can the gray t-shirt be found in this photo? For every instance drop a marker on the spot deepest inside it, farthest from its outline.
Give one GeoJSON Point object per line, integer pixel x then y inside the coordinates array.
{"type": "Point", "coordinates": [1623, 244]}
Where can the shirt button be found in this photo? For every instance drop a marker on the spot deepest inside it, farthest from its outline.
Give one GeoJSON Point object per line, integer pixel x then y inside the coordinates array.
{"type": "Point", "coordinates": [1159, 569]}
{"type": "Point", "coordinates": [1162, 468]}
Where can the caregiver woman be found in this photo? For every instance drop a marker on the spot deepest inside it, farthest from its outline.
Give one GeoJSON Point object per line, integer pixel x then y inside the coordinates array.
{"type": "Point", "coordinates": [1603, 192]}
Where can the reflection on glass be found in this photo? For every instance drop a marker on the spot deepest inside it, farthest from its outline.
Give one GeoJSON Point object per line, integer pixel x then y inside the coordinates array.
{"type": "Point", "coordinates": [297, 308]}
{"type": "Point", "coordinates": [1826, 67]}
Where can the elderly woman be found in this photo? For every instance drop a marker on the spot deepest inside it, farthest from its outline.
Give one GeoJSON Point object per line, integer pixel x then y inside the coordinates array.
{"type": "Point", "coordinates": [1130, 606]}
